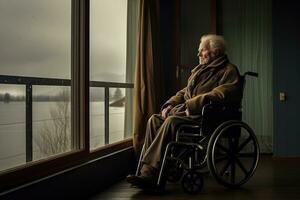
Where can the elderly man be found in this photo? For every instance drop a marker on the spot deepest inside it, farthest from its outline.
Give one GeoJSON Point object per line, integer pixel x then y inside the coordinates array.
{"type": "Point", "coordinates": [214, 79]}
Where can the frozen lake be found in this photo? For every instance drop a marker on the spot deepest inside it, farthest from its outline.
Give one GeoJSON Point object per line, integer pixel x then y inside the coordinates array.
{"type": "Point", "coordinates": [13, 135]}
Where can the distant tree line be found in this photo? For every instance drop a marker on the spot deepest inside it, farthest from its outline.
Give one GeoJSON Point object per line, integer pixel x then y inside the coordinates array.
{"type": "Point", "coordinates": [7, 97]}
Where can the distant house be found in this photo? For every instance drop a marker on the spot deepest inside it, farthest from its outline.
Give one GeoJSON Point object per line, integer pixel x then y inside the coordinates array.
{"type": "Point", "coordinates": [118, 103]}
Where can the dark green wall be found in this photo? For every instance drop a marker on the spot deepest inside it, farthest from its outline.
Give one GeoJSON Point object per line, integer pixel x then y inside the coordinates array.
{"type": "Point", "coordinates": [195, 20]}
{"type": "Point", "coordinates": [286, 54]}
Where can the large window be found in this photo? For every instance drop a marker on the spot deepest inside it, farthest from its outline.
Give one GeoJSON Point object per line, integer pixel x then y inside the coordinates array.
{"type": "Point", "coordinates": [53, 54]}
{"type": "Point", "coordinates": [111, 95]}
{"type": "Point", "coordinates": [35, 59]}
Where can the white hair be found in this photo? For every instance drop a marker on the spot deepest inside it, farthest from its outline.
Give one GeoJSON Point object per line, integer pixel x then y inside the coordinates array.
{"type": "Point", "coordinates": [216, 43]}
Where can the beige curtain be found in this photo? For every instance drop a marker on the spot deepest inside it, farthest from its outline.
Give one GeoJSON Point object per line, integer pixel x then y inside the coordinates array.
{"type": "Point", "coordinates": [149, 73]}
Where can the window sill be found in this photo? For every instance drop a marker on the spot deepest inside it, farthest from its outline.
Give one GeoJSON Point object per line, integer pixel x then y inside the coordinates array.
{"type": "Point", "coordinates": [38, 169]}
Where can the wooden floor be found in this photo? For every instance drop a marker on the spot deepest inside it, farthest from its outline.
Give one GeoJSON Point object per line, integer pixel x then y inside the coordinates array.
{"type": "Point", "coordinates": [274, 179]}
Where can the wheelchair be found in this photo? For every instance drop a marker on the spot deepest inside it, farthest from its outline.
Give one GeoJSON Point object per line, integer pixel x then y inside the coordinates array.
{"type": "Point", "coordinates": [222, 144]}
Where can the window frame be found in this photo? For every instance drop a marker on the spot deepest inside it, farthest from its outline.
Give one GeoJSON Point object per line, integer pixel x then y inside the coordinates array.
{"type": "Point", "coordinates": [80, 130]}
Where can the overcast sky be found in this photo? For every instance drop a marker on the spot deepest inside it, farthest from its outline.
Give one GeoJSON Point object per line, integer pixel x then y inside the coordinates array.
{"type": "Point", "coordinates": [35, 38]}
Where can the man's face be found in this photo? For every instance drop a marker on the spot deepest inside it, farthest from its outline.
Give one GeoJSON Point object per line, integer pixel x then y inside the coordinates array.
{"type": "Point", "coordinates": [205, 54]}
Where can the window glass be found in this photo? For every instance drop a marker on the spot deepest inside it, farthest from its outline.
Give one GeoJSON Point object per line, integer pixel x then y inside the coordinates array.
{"type": "Point", "coordinates": [110, 69]}
{"type": "Point", "coordinates": [35, 39]}
{"type": "Point", "coordinates": [51, 121]}
{"type": "Point", "coordinates": [96, 117]}
{"type": "Point", "coordinates": [108, 40]}
{"type": "Point", "coordinates": [12, 126]}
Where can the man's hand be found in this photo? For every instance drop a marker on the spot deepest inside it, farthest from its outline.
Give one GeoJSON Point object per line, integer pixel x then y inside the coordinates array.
{"type": "Point", "coordinates": [165, 111]}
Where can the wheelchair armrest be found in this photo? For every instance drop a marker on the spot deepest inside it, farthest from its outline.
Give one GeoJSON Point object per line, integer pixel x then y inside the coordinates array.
{"type": "Point", "coordinates": [190, 131]}
{"type": "Point", "coordinates": [214, 114]}
{"type": "Point", "coordinates": [220, 108]}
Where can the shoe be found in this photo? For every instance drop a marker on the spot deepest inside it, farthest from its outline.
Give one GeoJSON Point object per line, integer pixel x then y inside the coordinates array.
{"type": "Point", "coordinates": [147, 183]}
{"type": "Point", "coordinates": [140, 180]}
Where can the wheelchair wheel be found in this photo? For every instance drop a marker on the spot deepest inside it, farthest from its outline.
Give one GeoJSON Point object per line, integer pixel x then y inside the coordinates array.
{"type": "Point", "coordinates": [192, 182]}
{"type": "Point", "coordinates": [232, 153]}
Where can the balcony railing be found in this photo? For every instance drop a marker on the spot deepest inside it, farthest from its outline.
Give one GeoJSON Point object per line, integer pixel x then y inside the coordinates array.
{"type": "Point", "coordinates": [29, 82]}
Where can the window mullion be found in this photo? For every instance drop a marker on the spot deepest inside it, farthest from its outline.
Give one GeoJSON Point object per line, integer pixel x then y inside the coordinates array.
{"type": "Point", "coordinates": [106, 115]}
{"type": "Point", "coordinates": [80, 74]}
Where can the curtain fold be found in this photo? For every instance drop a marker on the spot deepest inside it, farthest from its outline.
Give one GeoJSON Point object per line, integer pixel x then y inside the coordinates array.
{"type": "Point", "coordinates": [149, 72]}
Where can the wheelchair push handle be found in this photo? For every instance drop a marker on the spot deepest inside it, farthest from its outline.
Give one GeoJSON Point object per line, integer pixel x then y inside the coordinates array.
{"type": "Point", "coordinates": [251, 74]}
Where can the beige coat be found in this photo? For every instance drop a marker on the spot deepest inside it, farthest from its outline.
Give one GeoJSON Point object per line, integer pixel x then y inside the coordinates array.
{"type": "Point", "coordinates": [219, 81]}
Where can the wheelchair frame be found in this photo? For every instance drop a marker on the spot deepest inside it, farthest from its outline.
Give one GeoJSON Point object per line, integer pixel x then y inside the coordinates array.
{"type": "Point", "coordinates": [220, 135]}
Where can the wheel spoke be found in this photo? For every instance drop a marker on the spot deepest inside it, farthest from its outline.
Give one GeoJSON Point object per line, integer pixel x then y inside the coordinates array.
{"type": "Point", "coordinates": [232, 171]}
{"type": "Point", "coordinates": [223, 148]}
{"type": "Point", "coordinates": [246, 155]}
{"type": "Point", "coordinates": [244, 144]}
{"type": "Point", "coordinates": [221, 158]}
{"type": "Point", "coordinates": [225, 168]}
{"type": "Point", "coordinates": [240, 164]}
